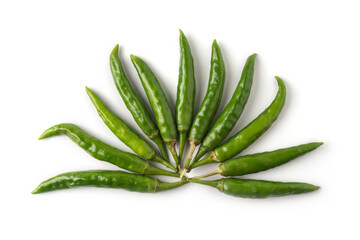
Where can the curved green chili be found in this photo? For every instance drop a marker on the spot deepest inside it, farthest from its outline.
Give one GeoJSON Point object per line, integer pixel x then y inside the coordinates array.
{"type": "Point", "coordinates": [228, 118]}
{"type": "Point", "coordinates": [185, 93]}
{"type": "Point", "coordinates": [249, 134]}
{"type": "Point", "coordinates": [107, 179]}
{"type": "Point", "coordinates": [159, 105]}
{"type": "Point", "coordinates": [125, 133]}
{"type": "Point", "coordinates": [104, 152]}
{"type": "Point", "coordinates": [257, 188]}
{"type": "Point", "coordinates": [258, 162]}
{"type": "Point", "coordinates": [211, 102]}
{"type": "Point", "coordinates": [133, 102]}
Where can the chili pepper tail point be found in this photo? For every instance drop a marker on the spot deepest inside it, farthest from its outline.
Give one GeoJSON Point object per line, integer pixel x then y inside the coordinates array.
{"type": "Point", "coordinates": [133, 57]}
{"type": "Point", "coordinates": [45, 134]}
{"type": "Point", "coordinates": [35, 191]}
{"type": "Point", "coordinates": [115, 50]}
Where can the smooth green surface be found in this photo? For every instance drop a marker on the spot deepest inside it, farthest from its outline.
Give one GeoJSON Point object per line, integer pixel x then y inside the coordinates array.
{"type": "Point", "coordinates": [159, 104]}
{"type": "Point", "coordinates": [211, 101]}
{"type": "Point", "coordinates": [106, 179]}
{"type": "Point", "coordinates": [255, 129]}
{"type": "Point", "coordinates": [125, 133]}
{"type": "Point", "coordinates": [232, 112]}
{"type": "Point", "coordinates": [133, 102]}
{"type": "Point", "coordinates": [257, 188]}
{"type": "Point", "coordinates": [105, 152]}
{"type": "Point", "coordinates": [263, 161]}
{"type": "Point", "coordinates": [185, 98]}
{"type": "Point", "coordinates": [121, 130]}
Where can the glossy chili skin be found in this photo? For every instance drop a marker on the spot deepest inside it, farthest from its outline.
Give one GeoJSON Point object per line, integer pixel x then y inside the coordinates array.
{"type": "Point", "coordinates": [104, 152]}
{"type": "Point", "coordinates": [133, 102]}
{"type": "Point", "coordinates": [211, 101]}
{"type": "Point", "coordinates": [228, 118]}
{"type": "Point", "coordinates": [263, 161]}
{"type": "Point", "coordinates": [249, 134]}
{"type": "Point", "coordinates": [257, 188]}
{"type": "Point", "coordinates": [186, 88]}
{"type": "Point", "coordinates": [106, 179]}
{"type": "Point", "coordinates": [159, 104]}
{"type": "Point", "coordinates": [125, 133]}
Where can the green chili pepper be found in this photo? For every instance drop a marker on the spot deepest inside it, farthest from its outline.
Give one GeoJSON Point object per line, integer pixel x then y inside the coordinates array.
{"type": "Point", "coordinates": [185, 93]}
{"type": "Point", "coordinates": [107, 179]}
{"type": "Point", "coordinates": [159, 105]}
{"type": "Point", "coordinates": [133, 102]}
{"type": "Point", "coordinates": [125, 133]}
{"type": "Point", "coordinates": [211, 102]}
{"type": "Point", "coordinates": [250, 133]}
{"type": "Point", "coordinates": [104, 152]}
{"type": "Point", "coordinates": [228, 118]}
{"type": "Point", "coordinates": [257, 188]}
{"type": "Point", "coordinates": [261, 161]}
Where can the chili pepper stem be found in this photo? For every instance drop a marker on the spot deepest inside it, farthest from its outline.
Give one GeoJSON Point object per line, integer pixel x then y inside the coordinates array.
{"type": "Point", "coordinates": [190, 155]}
{"type": "Point", "coordinates": [182, 173]}
{"type": "Point", "coordinates": [156, 158]}
{"type": "Point", "coordinates": [182, 144]}
{"type": "Point", "coordinates": [171, 146]}
{"type": "Point", "coordinates": [207, 160]}
{"type": "Point", "coordinates": [217, 171]}
{"type": "Point", "coordinates": [204, 182]}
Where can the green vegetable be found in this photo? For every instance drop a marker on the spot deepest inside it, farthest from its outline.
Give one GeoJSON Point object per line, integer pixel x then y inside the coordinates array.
{"type": "Point", "coordinates": [211, 102]}
{"type": "Point", "coordinates": [133, 102]}
{"type": "Point", "coordinates": [159, 105]}
{"type": "Point", "coordinates": [262, 161]}
{"type": "Point", "coordinates": [185, 92]}
{"type": "Point", "coordinates": [125, 133]}
{"type": "Point", "coordinates": [228, 118]}
{"type": "Point", "coordinates": [107, 179]}
{"type": "Point", "coordinates": [250, 133]}
{"type": "Point", "coordinates": [257, 188]}
{"type": "Point", "coordinates": [104, 152]}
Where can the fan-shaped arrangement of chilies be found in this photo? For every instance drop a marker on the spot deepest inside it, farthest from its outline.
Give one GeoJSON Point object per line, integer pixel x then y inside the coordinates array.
{"type": "Point", "coordinates": [185, 126]}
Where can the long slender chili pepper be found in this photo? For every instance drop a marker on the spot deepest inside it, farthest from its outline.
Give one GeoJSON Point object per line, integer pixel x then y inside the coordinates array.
{"type": "Point", "coordinates": [249, 134]}
{"type": "Point", "coordinates": [185, 93]}
{"type": "Point", "coordinates": [228, 118]}
{"type": "Point", "coordinates": [133, 102]}
{"type": "Point", "coordinates": [159, 105]}
{"type": "Point", "coordinates": [257, 188]}
{"type": "Point", "coordinates": [211, 102]}
{"type": "Point", "coordinates": [261, 161]}
{"type": "Point", "coordinates": [104, 152]}
{"type": "Point", "coordinates": [106, 179]}
{"type": "Point", "coordinates": [125, 133]}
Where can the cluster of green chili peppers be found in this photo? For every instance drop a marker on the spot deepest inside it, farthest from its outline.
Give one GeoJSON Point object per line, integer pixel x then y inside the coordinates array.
{"type": "Point", "coordinates": [184, 126]}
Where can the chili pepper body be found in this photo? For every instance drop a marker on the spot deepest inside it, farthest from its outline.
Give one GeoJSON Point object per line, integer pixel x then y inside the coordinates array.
{"type": "Point", "coordinates": [211, 101]}
{"type": "Point", "coordinates": [249, 134]}
{"type": "Point", "coordinates": [159, 104]}
{"type": "Point", "coordinates": [133, 102]}
{"type": "Point", "coordinates": [257, 188]}
{"type": "Point", "coordinates": [104, 152]}
{"type": "Point", "coordinates": [263, 161]}
{"type": "Point", "coordinates": [258, 162]}
{"type": "Point", "coordinates": [228, 118]}
{"type": "Point", "coordinates": [106, 179]}
{"type": "Point", "coordinates": [125, 133]}
{"type": "Point", "coordinates": [185, 92]}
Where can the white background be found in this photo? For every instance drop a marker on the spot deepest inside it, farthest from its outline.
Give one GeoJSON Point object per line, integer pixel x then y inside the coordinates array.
{"type": "Point", "coordinates": [50, 51]}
